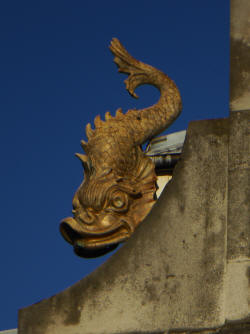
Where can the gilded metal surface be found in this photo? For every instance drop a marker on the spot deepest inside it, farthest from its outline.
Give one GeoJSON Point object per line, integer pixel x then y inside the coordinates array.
{"type": "Point", "coordinates": [119, 186]}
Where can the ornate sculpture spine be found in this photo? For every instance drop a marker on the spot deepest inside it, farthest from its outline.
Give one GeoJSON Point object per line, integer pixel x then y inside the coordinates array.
{"type": "Point", "coordinates": [119, 187]}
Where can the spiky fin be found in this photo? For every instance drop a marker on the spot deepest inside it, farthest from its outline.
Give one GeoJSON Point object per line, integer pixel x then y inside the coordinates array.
{"type": "Point", "coordinates": [84, 145]}
{"type": "Point", "coordinates": [119, 113]}
{"type": "Point", "coordinates": [98, 122]}
{"type": "Point", "coordinates": [84, 160]}
{"type": "Point", "coordinates": [89, 131]}
{"type": "Point", "coordinates": [108, 116]}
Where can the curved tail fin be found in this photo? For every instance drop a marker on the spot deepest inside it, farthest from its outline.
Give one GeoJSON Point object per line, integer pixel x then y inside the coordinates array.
{"type": "Point", "coordinates": [138, 71]}
{"type": "Point", "coordinates": [156, 118]}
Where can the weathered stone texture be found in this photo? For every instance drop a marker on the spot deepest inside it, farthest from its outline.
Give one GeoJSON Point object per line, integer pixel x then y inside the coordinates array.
{"type": "Point", "coordinates": [238, 229]}
{"type": "Point", "coordinates": [237, 327]}
{"type": "Point", "coordinates": [240, 59]}
{"type": "Point", "coordinates": [171, 273]}
{"type": "Point", "coordinates": [239, 186]}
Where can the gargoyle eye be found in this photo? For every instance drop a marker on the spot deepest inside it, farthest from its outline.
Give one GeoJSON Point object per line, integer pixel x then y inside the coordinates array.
{"type": "Point", "coordinates": [118, 202]}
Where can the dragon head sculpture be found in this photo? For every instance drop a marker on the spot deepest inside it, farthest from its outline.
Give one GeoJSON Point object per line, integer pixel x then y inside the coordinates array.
{"type": "Point", "coordinates": [107, 208]}
{"type": "Point", "coordinates": [119, 187]}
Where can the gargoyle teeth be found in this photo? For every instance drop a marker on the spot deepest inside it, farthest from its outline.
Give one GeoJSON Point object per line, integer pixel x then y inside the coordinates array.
{"type": "Point", "coordinates": [98, 122]}
{"type": "Point", "coordinates": [89, 131]}
{"type": "Point", "coordinates": [108, 116]}
{"type": "Point", "coordinates": [119, 113]}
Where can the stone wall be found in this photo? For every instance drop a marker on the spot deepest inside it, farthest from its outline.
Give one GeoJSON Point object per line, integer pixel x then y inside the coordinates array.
{"type": "Point", "coordinates": [187, 267]}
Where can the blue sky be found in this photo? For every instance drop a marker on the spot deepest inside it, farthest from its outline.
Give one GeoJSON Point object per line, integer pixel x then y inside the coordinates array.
{"type": "Point", "coordinates": [56, 74]}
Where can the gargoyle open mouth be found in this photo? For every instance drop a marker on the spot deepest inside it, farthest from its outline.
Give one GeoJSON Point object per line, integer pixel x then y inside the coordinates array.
{"type": "Point", "coordinates": [93, 244]}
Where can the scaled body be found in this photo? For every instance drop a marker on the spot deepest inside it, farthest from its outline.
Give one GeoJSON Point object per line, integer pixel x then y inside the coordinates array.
{"type": "Point", "coordinates": [119, 187]}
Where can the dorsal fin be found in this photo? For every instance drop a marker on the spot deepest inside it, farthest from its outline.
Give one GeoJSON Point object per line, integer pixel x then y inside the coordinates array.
{"type": "Point", "coordinates": [89, 131]}
{"type": "Point", "coordinates": [119, 113]}
{"type": "Point", "coordinates": [84, 160]}
{"type": "Point", "coordinates": [82, 157]}
{"type": "Point", "coordinates": [84, 145]}
{"type": "Point", "coordinates": [108, 116]}
{"type": "Point", "coordinates": [98, 122]}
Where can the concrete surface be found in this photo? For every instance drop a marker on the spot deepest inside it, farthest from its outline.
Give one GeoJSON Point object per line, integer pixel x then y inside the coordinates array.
{"type": "Point", "coordinates": [238, 228]}
{"type": "Point", "coordinates": [240, 59]}
{"type": "Point", "coordinates": [172, 274]}
{"type": "Point", "coordinates": [9, 331]}
{"type": "Point", "coordinates": [239, 186]}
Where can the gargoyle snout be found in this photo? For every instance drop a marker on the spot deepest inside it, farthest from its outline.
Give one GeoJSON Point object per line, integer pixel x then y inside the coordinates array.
{"type": "Point", "coordinates": [72, 233]}
{"type": "Point", "coordinates": [85, 216]}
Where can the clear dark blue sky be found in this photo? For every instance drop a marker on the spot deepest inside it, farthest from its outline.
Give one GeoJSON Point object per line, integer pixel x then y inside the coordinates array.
{"type": "Point", "coordinates": [56, 74]}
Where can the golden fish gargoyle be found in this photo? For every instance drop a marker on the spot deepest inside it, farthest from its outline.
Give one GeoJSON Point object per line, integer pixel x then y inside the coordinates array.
{"type": "Point", "coordinates": [119, 185]}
